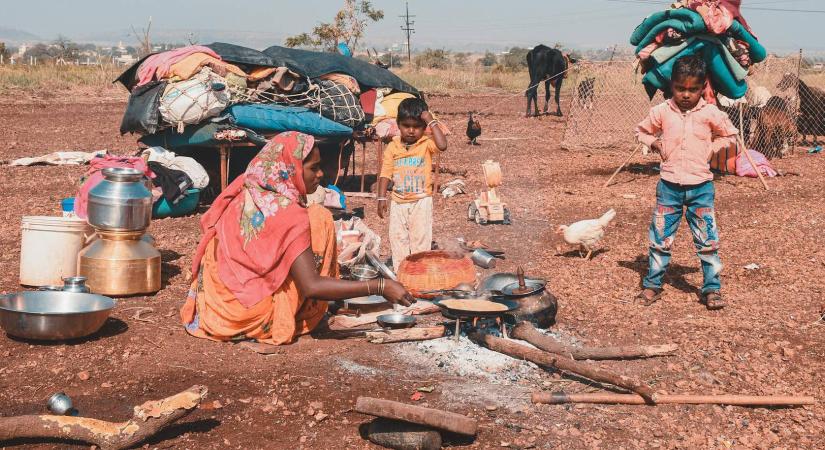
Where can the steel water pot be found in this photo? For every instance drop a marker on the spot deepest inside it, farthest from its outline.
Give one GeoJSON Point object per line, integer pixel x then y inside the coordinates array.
{"type": "Point", "coordinates": [121, 201]}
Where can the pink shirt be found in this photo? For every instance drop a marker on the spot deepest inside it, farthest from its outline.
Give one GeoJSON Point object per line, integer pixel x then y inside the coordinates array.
{"type": "Point", "coordinates": [689, 139]}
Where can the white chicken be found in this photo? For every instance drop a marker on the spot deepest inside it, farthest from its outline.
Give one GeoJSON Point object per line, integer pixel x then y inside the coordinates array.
{"type": "Point", "coordinates": [586, 233]}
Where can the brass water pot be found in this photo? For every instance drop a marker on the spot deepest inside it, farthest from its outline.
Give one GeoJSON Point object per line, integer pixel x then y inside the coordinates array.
{"type": "Point", "coordinates": [120, 263]}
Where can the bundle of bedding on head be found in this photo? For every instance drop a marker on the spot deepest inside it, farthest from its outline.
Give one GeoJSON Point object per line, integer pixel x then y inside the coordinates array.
{"type": "Point", "coordinates": [713, 29]}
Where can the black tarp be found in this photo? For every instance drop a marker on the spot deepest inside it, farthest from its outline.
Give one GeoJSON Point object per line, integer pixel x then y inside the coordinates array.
{"type": "Point", "coordinates": [142, 115]}
{"type": "Point", "coordinates": [236, 54]}
{"type": "Point", "coordinates": [315, 64]}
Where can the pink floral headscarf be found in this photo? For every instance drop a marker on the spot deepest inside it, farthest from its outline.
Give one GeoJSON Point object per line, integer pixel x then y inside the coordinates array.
{"type": "Point", "coordinates": [259, 221]}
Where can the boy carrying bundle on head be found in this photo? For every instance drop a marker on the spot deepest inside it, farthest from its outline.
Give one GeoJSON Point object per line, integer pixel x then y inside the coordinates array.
{"type": "Point", "coordinates": [686, 131]}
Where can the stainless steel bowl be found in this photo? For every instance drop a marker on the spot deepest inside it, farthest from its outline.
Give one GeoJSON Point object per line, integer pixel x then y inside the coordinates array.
{"type": "Point", "coordinates": [396, 320]}
{"type": "Point", "coordinates": [363, 273]}
{"type": "Point", "coordinates": [53, 315]}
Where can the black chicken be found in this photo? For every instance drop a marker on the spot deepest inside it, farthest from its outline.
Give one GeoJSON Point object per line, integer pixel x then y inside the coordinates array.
{"type": "Point", "coordinates": [473, 130]}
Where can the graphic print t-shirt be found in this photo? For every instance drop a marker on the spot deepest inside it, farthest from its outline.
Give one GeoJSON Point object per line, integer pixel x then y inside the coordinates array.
{"type": "Point", "coordinates": [410, 168]}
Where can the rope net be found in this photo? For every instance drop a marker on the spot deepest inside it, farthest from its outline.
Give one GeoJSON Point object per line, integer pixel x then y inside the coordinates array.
{"type": "Point", "coordinates": [608, 101]}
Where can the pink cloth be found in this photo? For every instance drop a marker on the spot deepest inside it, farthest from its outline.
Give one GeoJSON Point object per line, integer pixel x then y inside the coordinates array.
{"type": "Point", "coordinates": [744, 168]}
{"type": "Point", "coordinates": [719, 14]}
{"type": "Point", "coordinates": [95, 175]}
{"type": "Point", "coordinates": [160, 64]}
{"type": "Point", "coordinates": [688, 139]}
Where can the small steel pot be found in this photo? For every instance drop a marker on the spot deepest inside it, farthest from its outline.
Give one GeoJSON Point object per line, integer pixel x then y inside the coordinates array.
{"type": "Point", "coordinates": [483, 259]}
{"type": "Point", "coordinates": [60, 404]}
{"type": "Point", "coordinates": [75, 284]}
{"type": "Point", "coordinates": [363, 273]}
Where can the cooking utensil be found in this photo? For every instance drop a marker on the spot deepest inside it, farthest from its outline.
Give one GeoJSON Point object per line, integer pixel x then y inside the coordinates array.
{"type": "Point", "coordinates": [121, 201]}
{"type": "Point", "coordinates": [50, 288]}
{"type": "Point", "coordinates": [454, 313]}
{"type": "Point", "coordinates": [522, 287]}
{"type": "Point", "coordinates": [396, 320]}
{"type": "Point", "coordinates": [363, 272]}
{"type": "Point", "coordinates": [75, 284]}
{"type": "Point", "coordinates": [483, 259]}
{"type": "Point", "coordinates": [60, 404]}
{"type": "Point", "coordinates": [51, 315]}
{"type": "Point", "coordinates": [385, 271]}
{"type": "Point", "coordinates": [121, 263]}
{"type": "Point", "coordinates": [363, 301]}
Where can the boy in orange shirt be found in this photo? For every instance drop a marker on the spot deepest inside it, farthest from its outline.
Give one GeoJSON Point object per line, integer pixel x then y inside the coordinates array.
{"type": "Point", "coordinates": [408, 163]}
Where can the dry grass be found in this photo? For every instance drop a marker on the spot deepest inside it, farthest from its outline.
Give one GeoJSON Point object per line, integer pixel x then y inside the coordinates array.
{"type": "Point", "coordinates": [51, 78]}
{"type": "Point", "coordinates": [465, 80]}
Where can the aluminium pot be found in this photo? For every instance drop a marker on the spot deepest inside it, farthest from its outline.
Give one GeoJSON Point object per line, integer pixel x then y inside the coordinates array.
{"type": "Point", "coordinates": [121, 201]}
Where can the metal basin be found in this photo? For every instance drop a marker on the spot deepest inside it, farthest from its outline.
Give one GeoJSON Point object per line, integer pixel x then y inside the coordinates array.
{"type": "Point", "coordinates": [396, 320]}
{"type": "Point", "coordinates": [497, 281]}
{"type": "Point", "coordinates": [363, 272]}
{"type": "Point", "coordinates": [53, 315]}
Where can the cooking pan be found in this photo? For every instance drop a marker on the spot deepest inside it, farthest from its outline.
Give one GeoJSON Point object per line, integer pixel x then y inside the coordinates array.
{"type": "Point", "coordinates": [452, 313]}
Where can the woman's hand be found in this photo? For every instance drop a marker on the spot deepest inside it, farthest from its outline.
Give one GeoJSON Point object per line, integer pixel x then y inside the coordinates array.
{"type": "Point", "coordinates": [395, 293]}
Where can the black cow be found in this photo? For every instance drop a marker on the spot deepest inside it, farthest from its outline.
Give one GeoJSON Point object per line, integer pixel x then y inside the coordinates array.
{"type": "Point", "coordinates": [548, 65]}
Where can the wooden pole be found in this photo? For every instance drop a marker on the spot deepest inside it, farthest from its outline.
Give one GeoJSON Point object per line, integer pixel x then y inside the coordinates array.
{"type": "Point", "coordinates": [527, 332]}
{"type": "Point", "coordinates": [558, 398]}
{"type": "Point", "coordinates": [147, 420]}
{"type": "Point", "coordinates": [750, 160]}
{"type": "Point", "coordinates": [224, 149]}
{"type": "Point", "coordinates": [638, 147]}
{"type": "Point", "coordinates": [436, 418]}
{"type": "Point", "coordinates": [363, 164]}
{"type": "Point", "coordinates": [563, 364]}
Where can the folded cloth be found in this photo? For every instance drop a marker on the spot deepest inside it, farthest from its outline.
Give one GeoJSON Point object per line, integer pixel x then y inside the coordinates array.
{"type": "Point", "coordinates": [720, 75]}
{"type": "Point", "coordinates": [173, 183]}
{"type": "Point", "coordinates": [340, 78]}
{"type": "Point", "coordinates": [187, 67]}
{"type": "Point", "coordinates": [195, 171]}
{"type": "Point", "coordinates": [158, 66]}
{"type": "Point", "coordinates": [269, 118]}
{"type": "Point", "coordinates": [60, 159]}
{"type": "Point", "coordinates": [663, 54]}
{"type": "Point", "coordinates": [689, 23]}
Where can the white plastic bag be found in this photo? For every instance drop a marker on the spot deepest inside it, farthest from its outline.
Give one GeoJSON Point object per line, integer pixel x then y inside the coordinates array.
{"type": "Point", "coordinates": [193, 100]}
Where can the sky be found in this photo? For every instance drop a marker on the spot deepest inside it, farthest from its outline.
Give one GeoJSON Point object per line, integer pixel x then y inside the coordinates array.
{"type": "Point", "coordinates": [465, 25]}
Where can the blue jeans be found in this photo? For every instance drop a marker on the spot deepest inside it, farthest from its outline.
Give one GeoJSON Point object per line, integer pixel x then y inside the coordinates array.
{"type": "Point", "coordinates": [671, 200]}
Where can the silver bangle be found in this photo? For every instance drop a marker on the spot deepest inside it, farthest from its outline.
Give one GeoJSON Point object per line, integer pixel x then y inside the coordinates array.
{"type": "Point", "coordinates": [381, 199]}
{"type": "Point", "coordinates": [429, 125]}
{"type": "Point", "coordinates": [369, 292]}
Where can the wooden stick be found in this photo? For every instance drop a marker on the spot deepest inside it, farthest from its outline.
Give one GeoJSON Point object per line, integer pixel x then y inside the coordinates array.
{"type": "Point", "coordinates": [563, 364]}
{"type": "Point", "coordinates": [558, 398]}
{"type": "Point", "coordinates": [527, 332]}
{"type": "Point", "coordinates": [409, 334]}
{"type": "Point", "coordinates": [750, 160]}
{"type": "Point", "coordinates": [430, 417]}
{"type": "Point", "coordinates": [638, 147]}
{"type": "Point", "coordinates": [360, 194]}
{"type": "Point", "coordinates": [147, 420]}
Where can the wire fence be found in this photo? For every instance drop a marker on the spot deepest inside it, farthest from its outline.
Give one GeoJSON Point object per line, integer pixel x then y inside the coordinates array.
{"type": "Point", "coordinates": [784, 107]}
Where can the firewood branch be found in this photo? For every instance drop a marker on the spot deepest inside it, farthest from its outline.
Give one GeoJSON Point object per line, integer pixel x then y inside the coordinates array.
{"type": "Point", "coordinates": [147, 420]}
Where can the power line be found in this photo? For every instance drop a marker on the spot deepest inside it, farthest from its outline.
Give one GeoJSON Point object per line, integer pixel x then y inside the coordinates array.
{"type": "Point", "coordinates": [407, 27]}
{"type": "Point", "coordinates": [753, 8]}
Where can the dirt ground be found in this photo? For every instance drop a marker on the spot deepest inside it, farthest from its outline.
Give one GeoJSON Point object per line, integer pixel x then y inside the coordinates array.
{"type": "Point", "coordinates": [767, 341]}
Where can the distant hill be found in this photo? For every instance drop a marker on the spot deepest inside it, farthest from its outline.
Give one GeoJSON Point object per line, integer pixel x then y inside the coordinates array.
{"type": "Point", "coordinates": [12, 35]}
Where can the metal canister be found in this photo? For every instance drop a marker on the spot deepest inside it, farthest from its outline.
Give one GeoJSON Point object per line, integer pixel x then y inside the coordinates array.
{"type": "Point", "coordinates": [121, 202]}
{"type": "Point", "coordinates": [75, 284]}
{"type": "Point", "coordinates": [483, 259]}
{"type": "Point", "coordinates": [60, 404]}
{"type": "Point", "coordinates": [120, 264]}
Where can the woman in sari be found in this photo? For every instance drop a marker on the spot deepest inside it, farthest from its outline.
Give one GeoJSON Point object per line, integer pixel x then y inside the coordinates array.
{"type": "Point", "coordinates": [266, 264]}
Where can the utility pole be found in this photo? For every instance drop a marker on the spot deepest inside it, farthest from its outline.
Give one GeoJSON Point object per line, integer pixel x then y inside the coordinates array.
{"type": "Point", "coordinates": [407, 28]}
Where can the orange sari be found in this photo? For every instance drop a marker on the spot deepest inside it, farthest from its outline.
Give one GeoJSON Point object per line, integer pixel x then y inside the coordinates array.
{"type": "Point", "coordinates": [212, 312]}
